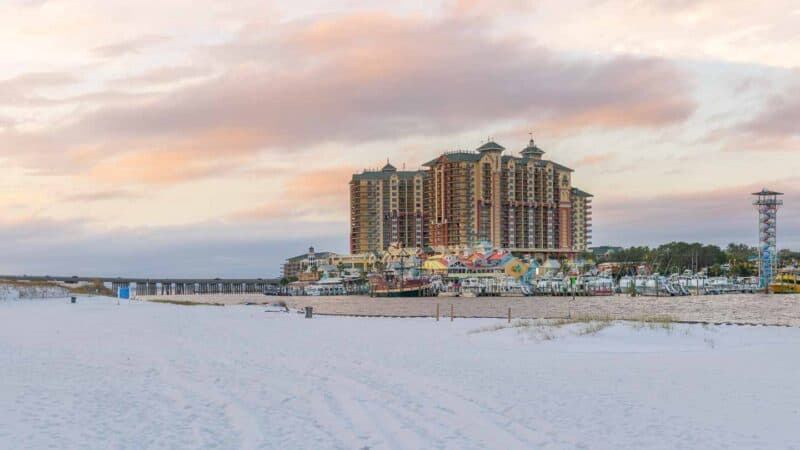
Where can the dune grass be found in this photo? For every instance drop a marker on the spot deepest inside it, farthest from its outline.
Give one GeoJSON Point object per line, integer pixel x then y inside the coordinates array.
{"type": "Point", "coordinates": [182, 302]}
{"type": "Point", "coordinates": [545, 329]}
{"type": "Point", "coordinates": [92, 288]}
{"type": "Point", "coordinates": [40, 284]}
{"type": "Point", "coordinates": [653, 323]}
{"type": "Point", "coordinates": [95, 288]}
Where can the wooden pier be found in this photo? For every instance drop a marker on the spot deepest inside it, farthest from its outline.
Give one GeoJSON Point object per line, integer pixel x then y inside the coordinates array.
{"type": "Point", "coordinates": [162, 286]}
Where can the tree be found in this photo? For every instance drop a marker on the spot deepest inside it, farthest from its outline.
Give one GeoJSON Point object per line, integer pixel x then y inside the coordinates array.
{"type": "Point", "coordinates": [788, 258]}
{"type": "Point", "coordinates": [676, 257]}
{"type": "Point", "coordinates": [743, 269]}
{"type": "Point", "coordinates": [740, 252]}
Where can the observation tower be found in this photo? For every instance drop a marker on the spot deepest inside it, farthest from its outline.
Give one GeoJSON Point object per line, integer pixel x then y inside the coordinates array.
{"type": "Point", "coordinates": [767, 203]}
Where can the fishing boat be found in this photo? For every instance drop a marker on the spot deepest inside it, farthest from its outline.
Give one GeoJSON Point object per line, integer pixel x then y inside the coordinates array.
{"type": "Point", "coordinates": [596, 285]}
{"type": "Point", "coordinates": [787, 282]}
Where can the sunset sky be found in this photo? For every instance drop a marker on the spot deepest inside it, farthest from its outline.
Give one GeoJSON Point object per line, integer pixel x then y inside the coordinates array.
{"type": "Point", "coordinates": [211, 138]}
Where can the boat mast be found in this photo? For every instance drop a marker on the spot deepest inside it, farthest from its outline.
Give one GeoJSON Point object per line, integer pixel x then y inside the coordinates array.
{"type": "Point", "coordinates": [403, 255]}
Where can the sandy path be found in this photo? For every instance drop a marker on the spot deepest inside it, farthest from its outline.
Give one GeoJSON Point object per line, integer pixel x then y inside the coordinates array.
{"type": "Point", "coordinates": [740, 308]}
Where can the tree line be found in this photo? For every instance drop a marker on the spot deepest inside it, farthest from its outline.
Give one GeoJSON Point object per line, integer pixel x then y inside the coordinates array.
{"type": "Point", "coordinates": [675, 257]}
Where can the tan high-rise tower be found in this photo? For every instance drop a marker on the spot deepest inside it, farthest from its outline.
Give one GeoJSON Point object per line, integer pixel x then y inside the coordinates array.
{"type": "Point", "coordinates": [523, 203]}
{"type": "Point", "coordinates": [386, 207]}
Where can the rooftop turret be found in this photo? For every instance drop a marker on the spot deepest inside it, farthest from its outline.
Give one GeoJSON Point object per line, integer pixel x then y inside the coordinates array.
{"type": "Point", "coordinates": [490, 146]}
{"type": "Point", "coordinates": [532, 151]}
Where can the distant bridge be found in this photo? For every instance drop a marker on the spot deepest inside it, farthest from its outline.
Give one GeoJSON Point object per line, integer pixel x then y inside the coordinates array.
{"type": "Point", "coordinates": [163, 286]}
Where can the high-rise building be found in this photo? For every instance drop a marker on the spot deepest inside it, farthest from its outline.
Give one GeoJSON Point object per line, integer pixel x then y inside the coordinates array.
{"type": "Point", "coordinates": [581, 219]}
{"type": "Point", "coordinates": [523, 203]}
{"type": "Point", "coordinates": [387, 206]}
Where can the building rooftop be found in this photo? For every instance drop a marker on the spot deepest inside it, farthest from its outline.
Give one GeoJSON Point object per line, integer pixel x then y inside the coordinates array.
{"type": "Point", "coordinates": [528, 153]}
{"type": "Point", "coordinates": [560, 167]}
{"type": "Point", "coordinates": [532, 150]}
{"type": "Point", "coordinates": [765, 191]}
{"type": "Point", "coordinates": [581, 193]}
{"type": "Point", "coordinates": [457, 156]}
{"type": "Point", "coordinates": [491, 146]}
{"type": "Point", "coordinates": [317, 255]}
{"type": "Point", "coordinates": [385, 174]}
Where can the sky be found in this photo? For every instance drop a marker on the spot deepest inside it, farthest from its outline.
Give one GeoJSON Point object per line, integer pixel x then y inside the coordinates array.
{"type": "Point", "coordinates": [208, 138]}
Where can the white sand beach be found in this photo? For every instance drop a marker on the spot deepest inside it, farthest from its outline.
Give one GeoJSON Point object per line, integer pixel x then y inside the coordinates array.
{"type": "Point", "coordinates": [96, 375]}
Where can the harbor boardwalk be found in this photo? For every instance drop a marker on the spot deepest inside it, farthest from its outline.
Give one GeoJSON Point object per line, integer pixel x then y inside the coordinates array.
{"type": "Point", "coordinates": [735, 308]}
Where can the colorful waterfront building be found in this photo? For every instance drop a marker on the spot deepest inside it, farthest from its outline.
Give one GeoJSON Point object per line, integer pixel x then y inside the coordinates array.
{"type": "Point", "coordinates": [297, 266]}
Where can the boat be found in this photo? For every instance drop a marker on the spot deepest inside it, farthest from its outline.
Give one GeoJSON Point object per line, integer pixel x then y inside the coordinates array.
{"type": "Point", "coordinates": [472, 287]}
{"type": "Point", "coordinates": [596, 285]}
{"type": "Point", "coordinates": [392, 283]}
{"type": "Point", "coordinates": [389, 285]}
{"type": "Point", "coordinates": [318, 290]}
{"type": "Point", "coordinates": [787, 282]}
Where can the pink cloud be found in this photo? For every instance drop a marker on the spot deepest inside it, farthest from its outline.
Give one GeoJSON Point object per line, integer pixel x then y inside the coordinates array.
{"type": "Point", "coordinates": [23, 89]}
{"type": "Point", "coordinates": [776, 128]}
{"type": "Point", "coordinates": [313, 193]}
{"type": "Point", "coordinates": [595, 159]}
{"type": "Point", "coordinates": [102, 195]}
{"type": "Point", "coordinates": [489, 7]}
{"type": "Point", "coordinates": [161, 75]}
{"type": "Point", "coordinates": [358, 78]}
{"type": "Point", "coordinates": [176, 160]}
{"type": "Point", "coordinates": [129, 46]}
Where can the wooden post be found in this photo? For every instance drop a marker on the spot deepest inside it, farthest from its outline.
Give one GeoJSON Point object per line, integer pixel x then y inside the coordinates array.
{"type": "Point", "coordinates": [437, 312]}
{"type": "Point", "coordinates": [452, 312]}
{"type": "Point", "coordinates": [509, 315]}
